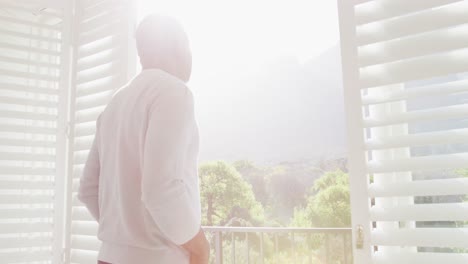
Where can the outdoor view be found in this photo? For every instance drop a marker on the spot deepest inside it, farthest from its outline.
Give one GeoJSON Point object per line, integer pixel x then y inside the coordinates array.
{"type": "Point", "coordinates": [331, 132]}
{"type": "Point", "coordinates": [269, 102]}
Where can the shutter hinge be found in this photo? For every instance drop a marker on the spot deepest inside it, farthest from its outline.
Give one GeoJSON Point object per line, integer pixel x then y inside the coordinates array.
{"type": "Point", "coordinates": [67, 130]}
{"type": "Point", "coordinates": [359, 237]}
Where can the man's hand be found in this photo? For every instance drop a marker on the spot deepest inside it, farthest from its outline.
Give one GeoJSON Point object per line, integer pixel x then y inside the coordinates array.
{"type": "Point", "coordinates": [199, 249]}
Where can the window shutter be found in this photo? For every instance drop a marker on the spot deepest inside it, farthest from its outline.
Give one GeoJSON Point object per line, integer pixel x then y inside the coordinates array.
{"type": "Point", "coordinates": [406, 95]}
{"type": "Point", "coordinates": [31, 130]}
{"type": "Point", "coordinates": [105, 59]}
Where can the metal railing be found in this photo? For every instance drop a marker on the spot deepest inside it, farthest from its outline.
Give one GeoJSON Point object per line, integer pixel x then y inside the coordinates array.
{"type": "Point", "coordinates": [271, 245]}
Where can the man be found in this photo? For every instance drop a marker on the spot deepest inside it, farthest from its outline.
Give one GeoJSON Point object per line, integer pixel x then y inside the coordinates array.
{"type": "Point", "coordinates": [140, 181]}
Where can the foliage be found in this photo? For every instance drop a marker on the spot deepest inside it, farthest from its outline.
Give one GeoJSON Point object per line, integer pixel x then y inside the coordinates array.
{"type": "Point", "coordinates": [227, 199]}
{"type": "Point", "coordinates": [318, 199]}
{"type": "Point", "coordinates": [462, 172]}
{"type": "Point", "coordinates": [281, 187]}
{"type": "Point", "coordinates": [239, 194]}
{"type": "Point", "coordinates": [328, 204]}
{"type": "Point", "coordinates": [256, 177]}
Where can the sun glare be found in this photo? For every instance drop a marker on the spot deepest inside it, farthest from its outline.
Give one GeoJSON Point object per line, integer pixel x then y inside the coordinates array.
{"type": "Point", "coordinates": [240, 36]}
{"type": "Point", "coordinates": [235, 44]}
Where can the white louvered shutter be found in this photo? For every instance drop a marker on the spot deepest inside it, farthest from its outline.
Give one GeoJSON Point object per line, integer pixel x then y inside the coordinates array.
{"type": "Point", "coordinates": [405, 67]}
{"type": "Point", "coordinates": [105, 60]}
{"type": "Point", "coordinates": [32, 134]}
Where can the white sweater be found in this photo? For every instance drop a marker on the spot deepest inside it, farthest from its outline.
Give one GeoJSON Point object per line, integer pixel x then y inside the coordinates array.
{"type": "Point", "coordinates": [140, 181]}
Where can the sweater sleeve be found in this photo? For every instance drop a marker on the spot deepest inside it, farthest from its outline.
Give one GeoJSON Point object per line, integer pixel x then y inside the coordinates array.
{"type": "Point", "coordinates": [88, 191]}
{"type": "Point", "coordinates": [164, 181]}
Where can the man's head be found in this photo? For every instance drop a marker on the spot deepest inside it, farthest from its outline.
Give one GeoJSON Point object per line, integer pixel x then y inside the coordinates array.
{"type": "Point", "coordinates": [163, 44]}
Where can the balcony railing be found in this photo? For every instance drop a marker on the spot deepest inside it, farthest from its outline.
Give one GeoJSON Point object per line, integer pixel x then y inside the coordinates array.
{"type": "Point", "coordinates": [270, 245]}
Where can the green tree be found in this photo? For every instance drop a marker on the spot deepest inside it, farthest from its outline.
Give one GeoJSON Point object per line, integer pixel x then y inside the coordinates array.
{"type": "Point", "coordinates": [226, 197]}
{"type": "Point", "coordinates": [462, 172]}
{"type": "Point", "coordinates": [328, 203]}
{"type": "Point", "coordinates": [256, 177]}
{"type": "Point", "coordinates": [288, 190]}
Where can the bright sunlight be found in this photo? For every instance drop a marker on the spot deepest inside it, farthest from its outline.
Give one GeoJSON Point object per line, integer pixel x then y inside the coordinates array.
{"type": "Point", "coordinates": [234, 44]}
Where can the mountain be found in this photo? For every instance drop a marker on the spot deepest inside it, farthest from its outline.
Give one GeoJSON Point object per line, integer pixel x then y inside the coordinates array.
{"type": "Point", "coordinates": [285, 111]}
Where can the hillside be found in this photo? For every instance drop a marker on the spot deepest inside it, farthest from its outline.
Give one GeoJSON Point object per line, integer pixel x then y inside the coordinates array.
{"type": "Point", "coordinates": [285, 111]}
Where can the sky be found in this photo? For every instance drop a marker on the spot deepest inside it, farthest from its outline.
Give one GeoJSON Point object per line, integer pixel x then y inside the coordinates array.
{"type": "Point", "coordinates": [245, 34]}
{"type": "Point", "coordinates": [234, 41]}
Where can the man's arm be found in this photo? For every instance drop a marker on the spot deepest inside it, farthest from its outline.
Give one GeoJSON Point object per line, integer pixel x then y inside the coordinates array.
{"type": "Point", "coordinates": [89, 182]}
{"type": "Point", "coordinates": [199, 249]}
{"type": "Point", "coordinates": [165, 192]}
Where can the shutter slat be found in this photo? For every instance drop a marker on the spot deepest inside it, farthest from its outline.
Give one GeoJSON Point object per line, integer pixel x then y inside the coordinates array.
{"type": "Point", "coordinates": [31, 9]}
{"type": "Point", "coordinates": [102, 46]}
{"type": "Point", "coordinates": [81, 214]}
{"type": "Point", "coordinates": [28, 75]}
{"type": "Point", "coordinates": [75, 201]}
{"type": "Point", "coordinates": [25, 213]}
{"type": "Point", "coordinates": [6, 170]}
{"type": "Point", "coordinates": [422, 237]}
{"type": "Point", "coordinates": [382, 9]}
{"type": "Point", "coordinates": [417, 92]}
{"type": "Point", "coordinates": [99, 100]}
{"type": "Point", "coordinates": [22, 156]}
{"type": "Point", "coordinates": [414, 46]}
{"type": "Point", "coordinates": [107, 18]}
{"type": "Point", "coordinates": [441, 113]}
{"type": "Point", "coordinates": [54, 28]}
{"type": "Point", "coordinates": [27, 115]}
{"type": "Point", "coordinates": [31, 89]}
{"type": "Point", "coordinates": [30, 256]}
{"type": "Point", "coordinates": [80, 157]}
{"type": "Point", "coordinates": [426, 163]}
{"type": "Point", "coordinates": [415, 69]}
{"type": "Point", "coordinates": [96, 77]}
{"type": "Point", "coordinates": [84, 228]}
{"type": "Point", "coordinates": [104, 71]}
{"type": "Point", "coordinates": [456, 186]}
{"type": "Point", "coordinates": [421, 212]}
{"type": "Point", "coordinates": [29, 50]}
{"type": "Point", "coordinates": [25, 228]}
{"type": "Point", "coordinates": [85, 242]}
{"type": "Point", "coordinates": [88, 115]}
{"type": "Point", "coordinates": [16, 242]}
{"type": "Point", "coordinates": [29, 129]}
{"type": "Point", "coordinates": [29, 36]}
{"type": "Point", "coordinates": [90, 4]}
{"type": "Point", "coordinates": [27, 102]}
{"type": "Point", "coordinates": [100, 86]}
{"type": "Point", "coordinates": [110, 56]}
{"type": "Point", "coordinates": [421, 139]}
{"type": "Point", "coordinates": [26, 185]}
{"type": "Point", "coordinates": [426, 258]}
{"type": "Point", "coordinates": [85, 142]}
{"type": "Point", "coordinates": [29, 62]}
{"type": "Point", "coordinates": [104, 7]}
{"type": "Point", "coordinates": [85, 130]}
{"type": "Point", "coordinates": [75, 184]}
{"type": "Point", "coordinates": [78, 172]}
{"type": "Point", "coordinates": [27, 143]}
{"type": "Point", "coordinates": [83, 256]}
{"type": "Point", "coordinates": [103, 32]}
{"type": "Point", "coordinates": [25, 199]}
{"type": "Point", "coordinates": [429, 20]}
